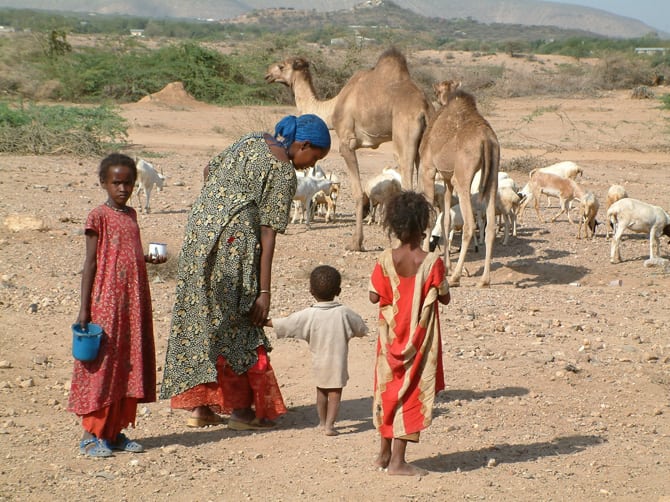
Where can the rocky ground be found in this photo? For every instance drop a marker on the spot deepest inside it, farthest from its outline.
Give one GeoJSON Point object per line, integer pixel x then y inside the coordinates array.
{"type": "Point", "coordinates": [558, 376]}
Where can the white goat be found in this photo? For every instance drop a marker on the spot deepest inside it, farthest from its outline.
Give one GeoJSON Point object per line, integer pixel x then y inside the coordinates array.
{"type": "Point", "coordinates": [455, 224]}
{"type": "Point", "coordinates": [587, 218]}
{"type": "Point", "coordinates": [614, 193]}
{"type": "Point", "coordinates": [324, 202]}
{"type": "Point", "coordinates": [565, 169]}
{"type": "Point", "coordinates": [308, 186]}
{"type": "Point", "coordinates": [378, 190]}
{"type": "Point", "coordinates": [551, 184]}
{"type": "Point", "coordinates": [147, 177]}
{"type": "Point", "coordinates": [507, 206]}
{"type": "Point", "coordinates": [639, 217]}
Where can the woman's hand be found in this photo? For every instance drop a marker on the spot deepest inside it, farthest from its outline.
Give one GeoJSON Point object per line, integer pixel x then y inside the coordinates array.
{"type": "Point", "coordinates": [260, 310]}
{"type": "Point", "coordinates": [84, 318]}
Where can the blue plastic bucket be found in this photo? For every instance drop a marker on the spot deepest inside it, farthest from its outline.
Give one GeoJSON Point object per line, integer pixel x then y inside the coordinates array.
{"type": "Point", "coordinates": [85, 344]}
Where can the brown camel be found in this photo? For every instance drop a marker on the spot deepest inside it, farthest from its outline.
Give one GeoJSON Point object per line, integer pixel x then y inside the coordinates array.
{"type": "Point", "coordinates": [375, 106]}
{"type": "Point", "coordinates": [459, 142]}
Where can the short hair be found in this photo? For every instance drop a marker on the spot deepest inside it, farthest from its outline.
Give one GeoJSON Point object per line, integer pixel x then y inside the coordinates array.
{"type": "Point", "coordinates": [407, 215]}
{"type": "Point", "coordinates": [325, 282]}
{"type": "Point", "coordinates": [116, 159]}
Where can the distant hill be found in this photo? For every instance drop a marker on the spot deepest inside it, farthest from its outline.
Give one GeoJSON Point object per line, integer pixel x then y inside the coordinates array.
{"type": "Point", "coordinates": [521, 12]}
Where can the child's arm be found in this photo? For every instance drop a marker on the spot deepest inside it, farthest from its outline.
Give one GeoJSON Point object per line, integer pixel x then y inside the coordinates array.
{"type": "Point", "coordinates": [444, 299]}
{"type": "Point", "coordinates": [87, 278]}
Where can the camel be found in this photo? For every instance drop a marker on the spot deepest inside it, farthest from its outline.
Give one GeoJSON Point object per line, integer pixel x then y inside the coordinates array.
{"type": "Point", "coordinates": [457, 143]}
{"type": "Point", "coordinates": [375, 106]}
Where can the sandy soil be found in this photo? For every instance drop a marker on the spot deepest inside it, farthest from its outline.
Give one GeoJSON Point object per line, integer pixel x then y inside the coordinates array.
{"type": "Point", "coordinates": [558, 376]}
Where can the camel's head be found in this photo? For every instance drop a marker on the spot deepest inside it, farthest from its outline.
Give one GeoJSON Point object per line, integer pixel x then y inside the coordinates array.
{"type": "Point", "coordinates": [444, 88]}
{"type": "Point", "coordinates": [285, 71]}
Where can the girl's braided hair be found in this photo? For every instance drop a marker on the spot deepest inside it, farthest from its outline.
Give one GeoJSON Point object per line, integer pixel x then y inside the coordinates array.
{"type": "Point", "coordinates": [407, 215]}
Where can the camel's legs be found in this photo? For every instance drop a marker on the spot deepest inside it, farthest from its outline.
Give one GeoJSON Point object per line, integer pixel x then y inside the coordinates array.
{"type": "Point", "coordinates": [406, 139]}
{"type": "Point", "coordinates": [466, 235]}
{"type": "Point", "coordinates": [490, 237]}
{"type": "Point", "coordinates": [349, 156]}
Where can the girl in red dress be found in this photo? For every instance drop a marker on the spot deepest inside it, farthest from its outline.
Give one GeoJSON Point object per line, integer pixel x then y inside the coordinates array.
{"type": "Point", "coordinates": [408, 283]}
{"type": "Point", "coordinates": [114, 294]}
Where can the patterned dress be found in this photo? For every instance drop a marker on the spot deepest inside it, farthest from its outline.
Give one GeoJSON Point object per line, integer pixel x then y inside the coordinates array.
{"type": "Point", "coordinates": [408, 370]}
{"type": "Point", "coordinates": [121, 304]}
{"type": "Point", "coordinates": [219, 264]}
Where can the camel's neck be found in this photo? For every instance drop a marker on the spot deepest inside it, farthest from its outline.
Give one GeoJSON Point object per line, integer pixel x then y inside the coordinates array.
{"type": "Point", "coordinates": [307, 102]}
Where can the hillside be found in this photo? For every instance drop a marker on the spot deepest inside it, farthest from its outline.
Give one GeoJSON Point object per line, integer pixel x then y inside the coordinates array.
{"type": "Point", "coordinates": [520, 12]}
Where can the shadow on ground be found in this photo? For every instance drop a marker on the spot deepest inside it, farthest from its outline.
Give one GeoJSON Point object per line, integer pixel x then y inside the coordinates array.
{"type": "Point", "coordinates": [507, 453]}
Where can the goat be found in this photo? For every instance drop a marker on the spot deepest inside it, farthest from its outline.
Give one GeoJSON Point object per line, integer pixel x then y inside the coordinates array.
{"type": "Point", "coordinates": [614, 193]}
{"type": "Point", "coordinates": [455, 224]}
{"type": "Point", "coordinates": [308, 186]}
{"type": "Point", "coordinates": [324, 202]}
{"type": "Point", "coordinates": [640, 217]}
{"type": "Point", "coordinates": [378, 190]}
{"type": "Point", "coordinates": [147, 177]}
{"type": "Point", "coordinates": [587, 218]}
{"type": "Point", "coordinates": [547, 183]}
{"type": "Point", "coordinates": [507, 206]}
{"type": "Point", "coordinates": [565, 169]}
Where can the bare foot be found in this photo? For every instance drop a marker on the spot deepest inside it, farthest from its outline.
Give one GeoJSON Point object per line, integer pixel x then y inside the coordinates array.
{"type": "Point", "coordinates": [405, 469]}
{"type": "Point", "coordinates": [382, 461]}
{"type": "Point", "coordinates": [330, 431]}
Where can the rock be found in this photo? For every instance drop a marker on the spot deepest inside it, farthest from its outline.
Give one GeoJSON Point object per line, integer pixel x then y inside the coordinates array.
{"type": "Point", "coordinates": [28, 382]}
{"type": "Point", "coordinates": [617, 282]}
{"type": "Point", "coordinates": [41, 359]}
{"type": "Point", "coordinates": [19, 222]}
{"type": "Point", "coordinates": [4, 364]}
{"type": "Point", "coordinates": [492, 462]}
{"type": "Point", "coordinates": [656, 262]}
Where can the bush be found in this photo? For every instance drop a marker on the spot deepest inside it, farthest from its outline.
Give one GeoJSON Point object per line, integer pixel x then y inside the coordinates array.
{"type": "Point", "coordinates": [60, 130]}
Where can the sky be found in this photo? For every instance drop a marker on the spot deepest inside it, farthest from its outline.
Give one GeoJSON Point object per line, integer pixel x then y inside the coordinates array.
{"type": "Point", "coordinates": [655, 13]}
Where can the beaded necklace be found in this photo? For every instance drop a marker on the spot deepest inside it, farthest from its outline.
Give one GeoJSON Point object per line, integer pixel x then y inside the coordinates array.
{"type": "Point", "coordinates": [118, 210]}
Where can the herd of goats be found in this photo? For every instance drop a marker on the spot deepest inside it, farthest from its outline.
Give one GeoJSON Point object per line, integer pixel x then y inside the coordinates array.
{"type": "Point", "coordinates": [451, 154]}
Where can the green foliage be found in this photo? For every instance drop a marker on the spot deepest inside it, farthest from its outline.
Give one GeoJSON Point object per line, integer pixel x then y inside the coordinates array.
{"type": "Point", "coordinates": [58, 129]}
{"type": "Point", "coordinates": [665, 99]}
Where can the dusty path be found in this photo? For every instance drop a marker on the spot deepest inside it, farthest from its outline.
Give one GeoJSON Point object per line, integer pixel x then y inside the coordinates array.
{"type": "Point", "coordinates": [558, 383]}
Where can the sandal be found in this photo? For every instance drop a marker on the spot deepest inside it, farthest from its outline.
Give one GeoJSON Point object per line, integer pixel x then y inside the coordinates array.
{"type": "Point", "coordinates": [253, 425]}
{"type": "Point", "coordinates": [93, 447]}
{"type": "Point", "coordinates": [122, 443]}
{"type": "Point", "coordinates": [214, 419]}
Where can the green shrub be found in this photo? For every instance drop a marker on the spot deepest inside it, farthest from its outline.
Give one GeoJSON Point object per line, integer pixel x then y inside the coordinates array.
{"type": "Point", "coordinates": [58, 129]}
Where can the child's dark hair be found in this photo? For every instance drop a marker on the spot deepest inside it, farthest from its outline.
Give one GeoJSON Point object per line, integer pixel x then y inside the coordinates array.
{"type": "Point", "coordinates": [407, 215]}
{"type": "Point", "coordinates": [325, 282]}
{"type": "Point", "coordinates": [116, 159]}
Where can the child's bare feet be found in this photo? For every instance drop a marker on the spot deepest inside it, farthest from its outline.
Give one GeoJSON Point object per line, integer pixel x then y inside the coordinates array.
{"type": "Point", "coordinates": [405, 469]}
{"type": "Point", "coordinates": [382, 461]}
{"type": "Point", "coordinates": [330, 431]}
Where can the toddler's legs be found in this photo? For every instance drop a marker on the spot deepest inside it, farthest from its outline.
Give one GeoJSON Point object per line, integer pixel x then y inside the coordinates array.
{"type": "Point", "coordinates": [328, 406]}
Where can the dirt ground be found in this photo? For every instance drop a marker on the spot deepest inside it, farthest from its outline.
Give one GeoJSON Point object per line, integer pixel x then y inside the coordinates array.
{"type": "Point", "coordinates": [558, 375]}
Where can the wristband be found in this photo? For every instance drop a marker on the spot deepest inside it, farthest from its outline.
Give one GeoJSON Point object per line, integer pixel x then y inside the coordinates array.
{"type": "Point", "coordinates": [264, 291]}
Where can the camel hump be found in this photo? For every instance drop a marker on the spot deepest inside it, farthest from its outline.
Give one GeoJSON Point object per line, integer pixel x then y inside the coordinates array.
{"type": "Point", "coordinates": [392, 61]}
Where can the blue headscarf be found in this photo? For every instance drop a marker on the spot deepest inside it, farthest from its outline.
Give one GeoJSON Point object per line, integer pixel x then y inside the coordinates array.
{"type": "Point", "coordinates": [303, 128]}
